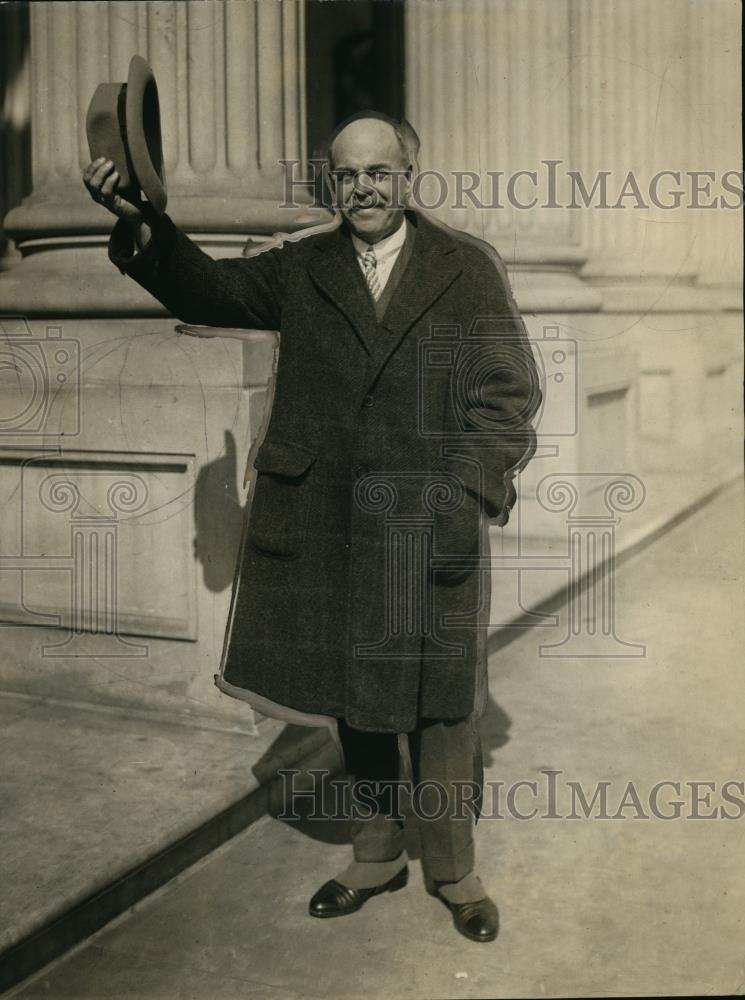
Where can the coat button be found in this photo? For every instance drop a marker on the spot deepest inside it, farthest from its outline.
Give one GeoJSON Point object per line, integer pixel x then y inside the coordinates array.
{"type": "Point", "coordinates": [368, 401]}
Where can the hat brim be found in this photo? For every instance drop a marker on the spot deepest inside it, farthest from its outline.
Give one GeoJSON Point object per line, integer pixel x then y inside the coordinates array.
{"type": "Point", "coordinates": [145, 147]}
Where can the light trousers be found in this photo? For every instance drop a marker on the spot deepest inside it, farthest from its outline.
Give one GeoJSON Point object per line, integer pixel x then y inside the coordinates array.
{"type": "Point", "coordinates": [446, 776]}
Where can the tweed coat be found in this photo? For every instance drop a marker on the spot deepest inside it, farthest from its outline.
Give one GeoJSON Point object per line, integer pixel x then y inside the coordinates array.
{"type": "Point", "coordinates": [364, 588]}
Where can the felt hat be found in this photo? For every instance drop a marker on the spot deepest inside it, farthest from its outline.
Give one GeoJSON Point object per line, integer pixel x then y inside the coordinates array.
{"type": "Point", "coordinates": [123, 124]}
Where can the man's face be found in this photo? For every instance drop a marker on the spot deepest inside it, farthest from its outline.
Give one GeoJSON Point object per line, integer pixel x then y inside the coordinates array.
{"type": "Point", "coordinates": [369, 178]}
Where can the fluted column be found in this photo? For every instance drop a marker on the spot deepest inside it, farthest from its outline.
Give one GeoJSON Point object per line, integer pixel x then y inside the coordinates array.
{"type": "Point", "coordinates": [652, 79]}
{"type": "Point", "coordinates": [717, 103]}
{"type": "Point", "coordinates": [15, 161]}
{"type": "Point", "coordinates": [488, 89]}
{"type": "Point", "coordinates": [231, 83]}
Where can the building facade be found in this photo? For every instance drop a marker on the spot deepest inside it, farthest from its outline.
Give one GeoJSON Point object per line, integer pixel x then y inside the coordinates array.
{"type": "Point", "coordinates": [123, 443]}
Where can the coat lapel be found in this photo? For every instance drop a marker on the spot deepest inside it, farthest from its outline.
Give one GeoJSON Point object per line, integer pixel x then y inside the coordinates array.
{"type": "Point", "coordinates": [336, 273]}
{"type": "Point", "coordinates": [433, 267]}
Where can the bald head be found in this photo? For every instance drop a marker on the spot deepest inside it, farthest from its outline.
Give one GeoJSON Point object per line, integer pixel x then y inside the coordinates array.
{"type": "Point", "coordinates": [370, 164]}
{"type": "Point", "coordinates": [372, 140]}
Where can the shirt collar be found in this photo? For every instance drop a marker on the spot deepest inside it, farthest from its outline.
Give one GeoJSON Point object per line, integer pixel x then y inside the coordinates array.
{"type": "Point", "coordinates": [383, 247]}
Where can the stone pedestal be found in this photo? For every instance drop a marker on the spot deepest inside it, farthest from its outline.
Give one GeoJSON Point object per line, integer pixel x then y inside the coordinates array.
{"type": "Point", "coordinates": [123, 503]}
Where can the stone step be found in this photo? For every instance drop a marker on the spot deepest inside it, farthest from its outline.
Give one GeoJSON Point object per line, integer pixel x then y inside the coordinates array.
{"type": "Point", "coordinates": [99, 808]}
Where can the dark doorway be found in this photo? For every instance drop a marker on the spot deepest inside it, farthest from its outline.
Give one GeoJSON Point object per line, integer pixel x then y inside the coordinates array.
{"type": "Point", "coordinates": [355, 62]}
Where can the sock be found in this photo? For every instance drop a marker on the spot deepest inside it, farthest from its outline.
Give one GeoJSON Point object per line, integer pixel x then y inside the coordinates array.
{"type": "Point", "coordinates": [370, 874]}
{"type": "Point", "coordinates": [466, 890]}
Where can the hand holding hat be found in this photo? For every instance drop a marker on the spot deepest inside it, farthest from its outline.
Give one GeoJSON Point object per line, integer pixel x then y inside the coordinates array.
{"type": "Point", "coordinates": [124, 136]}
{"type": "Point", "coordinates": [103, 182]}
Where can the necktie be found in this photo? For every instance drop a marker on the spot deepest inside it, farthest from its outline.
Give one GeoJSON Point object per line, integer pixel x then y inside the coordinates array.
{"type": "Point", "coordinates": [370, 264]}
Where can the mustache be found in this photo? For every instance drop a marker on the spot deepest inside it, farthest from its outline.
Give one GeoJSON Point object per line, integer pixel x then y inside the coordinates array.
{"type": "Point", "coordinates": [365, 198]}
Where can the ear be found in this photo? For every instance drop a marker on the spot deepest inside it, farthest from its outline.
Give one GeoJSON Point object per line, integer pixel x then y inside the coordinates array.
{"type": "Point", "coordinates": [329, 185]}
{"type": "Point", "coordinates": [403, 193]}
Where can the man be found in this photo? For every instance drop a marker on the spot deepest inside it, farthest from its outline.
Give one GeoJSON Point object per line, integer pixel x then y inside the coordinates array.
{"type": "Point", "coordinates": [404, 394]}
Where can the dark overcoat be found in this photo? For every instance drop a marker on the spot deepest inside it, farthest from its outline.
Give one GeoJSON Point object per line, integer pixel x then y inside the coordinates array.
{"type": "Point", "coordinates": [390, 443]}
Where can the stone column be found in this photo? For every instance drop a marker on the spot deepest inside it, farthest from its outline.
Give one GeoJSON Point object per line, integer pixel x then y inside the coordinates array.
{"type": "Point", "coordinates": [230, 76]}
{"type": "Point", "coordinates": [488, 89]}
{"type": "Point", "coordinates": [652, 81]}
{"type": "Point", "coordinates": [718, 116]}
{"type": "Point", "coordinates": [15, 161]}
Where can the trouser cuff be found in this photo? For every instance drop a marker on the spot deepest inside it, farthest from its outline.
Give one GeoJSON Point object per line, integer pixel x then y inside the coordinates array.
{"type": "Point", "coordinates": [449, 868]}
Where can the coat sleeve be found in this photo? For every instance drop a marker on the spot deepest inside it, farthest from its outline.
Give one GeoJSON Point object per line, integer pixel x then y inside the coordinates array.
{"type": "Point", "coordinates": [239, 292]}
{"type": "Point", "coordinates": [504, 394]}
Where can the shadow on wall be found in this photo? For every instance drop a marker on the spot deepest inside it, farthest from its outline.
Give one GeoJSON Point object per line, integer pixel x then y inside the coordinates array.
{"type": "Point", "coordinates": [15, 122]}
{"type": "Point", "coordinates": [218, 518]}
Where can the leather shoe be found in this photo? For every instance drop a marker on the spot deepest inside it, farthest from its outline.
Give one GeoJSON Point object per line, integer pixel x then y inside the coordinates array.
{"type": "Point", "coordinates": [336, 900]}
{"type": "Point", "coordinates": [478, 921]}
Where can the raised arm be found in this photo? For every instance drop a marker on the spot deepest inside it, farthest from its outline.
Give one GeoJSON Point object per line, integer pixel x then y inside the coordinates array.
{"type": "Point", "coordinates": [240, 292]}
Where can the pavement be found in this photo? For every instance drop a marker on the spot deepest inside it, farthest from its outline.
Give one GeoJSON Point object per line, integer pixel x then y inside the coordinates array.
{"type": "Point", "coordinates": [622, 902]}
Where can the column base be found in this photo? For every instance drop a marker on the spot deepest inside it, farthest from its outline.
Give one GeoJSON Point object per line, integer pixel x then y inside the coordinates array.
{"type": "Point", "coordinates": [66, 210]}
{"type": "Point", "coordinates": [660, 293]}
{"type": "Point", "coordinates": [65, 270]}
{"type": "Point", "coordinates": [547, 278]}
{"type": "Point", "coordinates": [539, 290]}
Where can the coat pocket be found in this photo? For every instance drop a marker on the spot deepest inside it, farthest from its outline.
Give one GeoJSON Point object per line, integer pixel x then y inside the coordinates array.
{"type": "Point", "coordinates": [457, 536]}
{"type": "Point", "coordinates": [283, 492]}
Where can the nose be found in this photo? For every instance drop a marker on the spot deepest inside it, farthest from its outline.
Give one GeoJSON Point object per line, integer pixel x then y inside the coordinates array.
{"type": "Point", "coordinates": [362, 183]}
